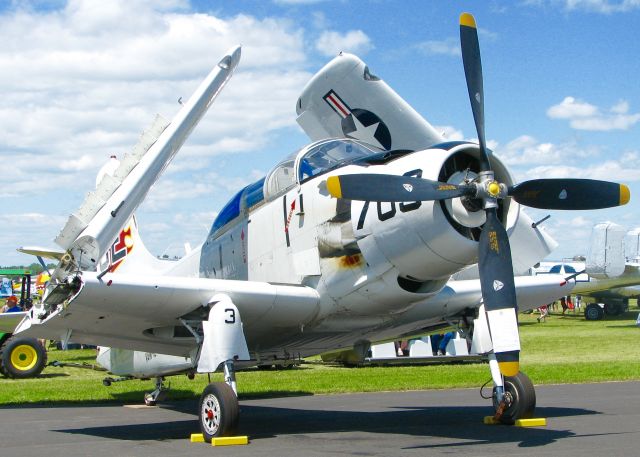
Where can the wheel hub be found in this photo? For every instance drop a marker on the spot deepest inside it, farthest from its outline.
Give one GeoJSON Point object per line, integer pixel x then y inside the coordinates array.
{"type": "Point", "coordinates": [24, 357]}
{"type": "Point", "coordinates": [210, 414]}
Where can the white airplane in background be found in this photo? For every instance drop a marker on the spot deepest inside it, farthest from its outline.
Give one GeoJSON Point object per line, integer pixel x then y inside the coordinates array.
{"type": "Point", "coordinates": [352, 239]}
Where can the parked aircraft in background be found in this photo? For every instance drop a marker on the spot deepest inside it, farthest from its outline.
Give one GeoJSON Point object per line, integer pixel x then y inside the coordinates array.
{"type": "Point", "coordinates": [350, 240]}
{"type": "Point", "coordinates": [599, 301]}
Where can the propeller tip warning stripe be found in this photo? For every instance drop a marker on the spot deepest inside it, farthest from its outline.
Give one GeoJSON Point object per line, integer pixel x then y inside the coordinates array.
{"type": "Point", "coordinates": [625, 194]}
{"type": "Point", "coordinates": [467, 19]}
{"type": "Point", "coordinates": [333, 186]}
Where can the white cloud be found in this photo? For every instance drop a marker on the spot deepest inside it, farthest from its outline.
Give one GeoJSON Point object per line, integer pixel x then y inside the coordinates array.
{"type": "Point", "coordinates": [331, 42]}
{"type": "Point", "coordinates": [585, 116]}
{"type": "Point", "coordinates": [622, 107]}
{"type": "Point", "coordinates": [526, 150]}
{"type": "Point", "coordinates": [81, 83]}
{"type": "Point", "coordinates": [297, 2]}
{"type": "Point", "coordinates": [610, 170]}
{"type": "Point", "coordinates": [450, 47]}
{"type": "Point", "coordinates": [449, 132]}
{"type": "Point", "coordinates": [605, 124]}
{"type": "Point", "coordinates": [570, 108]}
{"type": "Point", "coordinates": [602, 6]}
{"type": "Point", "coordinates": [590, 6]}
{"type": "Point", "coordinates": [27, 229]}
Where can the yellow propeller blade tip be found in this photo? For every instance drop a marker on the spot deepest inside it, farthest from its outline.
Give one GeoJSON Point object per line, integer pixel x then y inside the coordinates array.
{"type": "Point", "coordinates": [467, 19]}
{"type": "Point", "coordinates": [333, 186]}
{"type": "Point", "coordinates": [509, 368]}
{"type": "Point", "coordinates": [625, 194]}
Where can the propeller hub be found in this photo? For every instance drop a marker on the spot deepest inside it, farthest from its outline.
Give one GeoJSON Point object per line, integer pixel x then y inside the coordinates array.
{"type": "Point", "coordinates": [493, 188]}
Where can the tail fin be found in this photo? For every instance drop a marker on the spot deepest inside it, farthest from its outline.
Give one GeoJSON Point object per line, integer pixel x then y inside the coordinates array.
{"type": "Point", "coordinates": [606, 255]}
{"type": "Point", "coordinates": [345, 99]}
{"type": "Point", "coordinates": [632, 245]}
{"type": "Point", "coordinates": [129, 254]}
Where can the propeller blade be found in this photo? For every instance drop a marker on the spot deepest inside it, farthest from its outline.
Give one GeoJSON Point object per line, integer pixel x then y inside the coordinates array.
{"type": "Point", "coordinates": [499, 293]}
{"type": "Point", "coordinates": [570, 194]}
{"type": "Point", "coordinates": [473, 73]}
{"type": "Point", "coordinates": [393, 188]}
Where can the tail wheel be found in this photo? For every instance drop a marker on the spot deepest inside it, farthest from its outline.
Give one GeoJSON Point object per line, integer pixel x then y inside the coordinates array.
{"type": "Point", "coordinates": [219, 411]}
{"type": "Point", "coordinates": [520, 398]}
{"type": "Point", "coordinates": [22, 358]}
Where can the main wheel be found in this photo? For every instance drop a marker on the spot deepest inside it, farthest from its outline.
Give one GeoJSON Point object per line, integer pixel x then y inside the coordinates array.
{"type": "Point", "coordinates": [22, 358]}
{"type": "Point", "coordinates": [593, 312]}
{"type": "Point", "coordinates": [219, 411]}
{"type": "Point", "coordinates": [520, 398]}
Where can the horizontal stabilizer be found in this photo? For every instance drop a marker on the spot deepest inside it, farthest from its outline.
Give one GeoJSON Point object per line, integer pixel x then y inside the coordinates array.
{"type": "Point", "coordinates": [46, 253]}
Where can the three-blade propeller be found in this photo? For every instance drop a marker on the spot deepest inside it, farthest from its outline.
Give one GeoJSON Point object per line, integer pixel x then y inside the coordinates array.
{"type": "Point", "coordinates": [494, 252]}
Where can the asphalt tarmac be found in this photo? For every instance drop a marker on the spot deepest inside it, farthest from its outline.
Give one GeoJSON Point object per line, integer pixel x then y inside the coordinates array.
{"type": "Point", "coordinates": [582, 420]}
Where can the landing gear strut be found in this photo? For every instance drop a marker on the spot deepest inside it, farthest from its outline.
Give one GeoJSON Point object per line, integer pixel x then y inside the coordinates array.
{"type": "Point", "coordinates": [158, 394]}
{"type": "Point", "coordinates": [518, 399]}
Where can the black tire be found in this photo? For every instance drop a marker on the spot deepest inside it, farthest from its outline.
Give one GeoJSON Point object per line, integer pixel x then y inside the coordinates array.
{"type": "Point", "coordinates": [593, 312]}
{"type": "Point", "coordinates": [520, 396]}
{"type": "Point", "coordinates": [22, 358]}
{"type": "Point", "coordinates": [218, 411]}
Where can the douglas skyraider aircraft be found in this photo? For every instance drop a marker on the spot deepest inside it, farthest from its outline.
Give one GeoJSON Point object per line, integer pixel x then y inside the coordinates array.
{"type": "Point", "coordinates": [353, 239]}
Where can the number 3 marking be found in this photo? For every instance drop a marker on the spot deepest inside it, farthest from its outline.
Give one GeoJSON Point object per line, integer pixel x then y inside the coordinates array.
{"type": "Point", "coordinates": [232, 316]}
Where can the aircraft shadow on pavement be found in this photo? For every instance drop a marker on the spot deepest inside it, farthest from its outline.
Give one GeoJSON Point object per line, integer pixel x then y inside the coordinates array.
{"type": "Point", "coordinates": [260, 422]}
{"type": "Point", "coordinates": [129, 397]}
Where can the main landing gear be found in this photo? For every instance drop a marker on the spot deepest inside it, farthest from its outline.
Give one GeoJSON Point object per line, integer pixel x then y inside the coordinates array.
{"type": "Point", "coordinates": [224, 344]}
{"type": "Point", "coordinates": [518, 402]}
{"type": "Point", "coordinates": [218, 409]}
{"type": "Point", "coordinates": [514, 397]}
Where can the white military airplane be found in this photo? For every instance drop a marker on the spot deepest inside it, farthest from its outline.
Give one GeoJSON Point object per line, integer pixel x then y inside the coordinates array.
{"type": "Point", "coordinates": [352, 239]}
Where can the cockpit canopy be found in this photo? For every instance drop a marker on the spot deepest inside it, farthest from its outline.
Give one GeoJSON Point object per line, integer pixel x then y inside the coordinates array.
{"type": "Point", "coordinates": [310, 161]}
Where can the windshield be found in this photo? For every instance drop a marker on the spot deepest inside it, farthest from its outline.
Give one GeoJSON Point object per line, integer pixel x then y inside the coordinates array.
{"type": "Point", "coordinates": [330, 154]}
{"type": "Point", "coordinates": [281, 177]}
{"type": "Point", "coordinates": [313, 160]}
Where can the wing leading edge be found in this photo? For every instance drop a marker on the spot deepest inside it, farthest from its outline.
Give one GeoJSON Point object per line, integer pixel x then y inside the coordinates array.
{"type": "Point", "coordinates": [154, 313]}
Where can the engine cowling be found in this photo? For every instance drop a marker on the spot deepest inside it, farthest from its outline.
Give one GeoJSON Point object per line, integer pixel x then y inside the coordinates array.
{"type": "Point", "coordinates": [428, 240]}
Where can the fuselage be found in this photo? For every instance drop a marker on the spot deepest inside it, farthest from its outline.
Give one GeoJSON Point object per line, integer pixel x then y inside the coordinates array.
{"type": "Point", "coordinates": [370, 262]}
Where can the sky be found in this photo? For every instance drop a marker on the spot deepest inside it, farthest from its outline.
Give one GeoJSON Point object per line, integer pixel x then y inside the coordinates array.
{"type": "Point", "coordinates": [80, 80]}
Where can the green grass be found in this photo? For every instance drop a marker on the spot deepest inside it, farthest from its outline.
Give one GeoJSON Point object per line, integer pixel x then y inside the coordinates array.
{"type": "Point", "coordinates": [564, 349]}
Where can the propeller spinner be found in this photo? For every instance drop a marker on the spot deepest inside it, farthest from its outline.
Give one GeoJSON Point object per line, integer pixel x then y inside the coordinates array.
{"type": "Point", "coordinates": [494, 251]}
